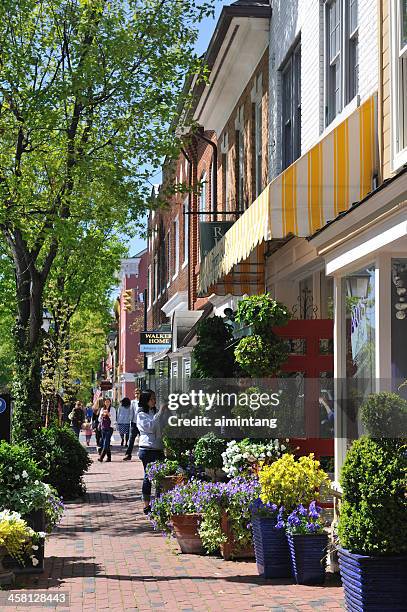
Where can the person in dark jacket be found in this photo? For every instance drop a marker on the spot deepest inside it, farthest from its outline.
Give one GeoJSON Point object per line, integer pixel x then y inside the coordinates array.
{"type": "Point", "coordinates": [77, 418]}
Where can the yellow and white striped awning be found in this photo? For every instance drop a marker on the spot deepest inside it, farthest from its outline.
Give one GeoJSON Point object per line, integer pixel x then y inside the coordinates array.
{"type": "Point", "coordinates": [324, 182]}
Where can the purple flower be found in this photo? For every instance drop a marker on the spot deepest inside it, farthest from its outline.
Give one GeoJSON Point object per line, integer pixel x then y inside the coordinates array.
{"type": "Point", "coordinates": [302, 510]}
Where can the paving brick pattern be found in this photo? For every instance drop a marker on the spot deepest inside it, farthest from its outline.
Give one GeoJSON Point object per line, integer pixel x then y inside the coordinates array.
{"type": "Point", "coordinates": [105, 554]}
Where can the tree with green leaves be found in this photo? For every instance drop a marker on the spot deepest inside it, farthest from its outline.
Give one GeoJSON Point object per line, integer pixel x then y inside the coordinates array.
{"type": "Point", "coordinates": [88, 89]}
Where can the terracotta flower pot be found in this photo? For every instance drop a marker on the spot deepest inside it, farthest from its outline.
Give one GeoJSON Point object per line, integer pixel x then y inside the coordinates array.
{"type": "Point", "coordinates": [169, 482]}
{"type": "Point", "coordinates": [231, 549]}
{"type": "Point", "coordinates": [6, 576]}
{"type": "Point", "coordinates": [186, 531]}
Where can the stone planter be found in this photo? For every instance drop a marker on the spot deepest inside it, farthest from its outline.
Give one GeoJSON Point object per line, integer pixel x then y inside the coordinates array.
{"type": "Point", "coordinates": [231, 549]}
{"type": "Point", "coordinates": [308, 557]}
{"type": "Point", "coordinates": [167, 483]}
{"type": "Point", "coordinates": [35, 520]}
{"type": "Point", "coordinates": [6, 576]}
{"type": "Point", "coordinates": [185, 528]}
{"type": "Point", "coordinates": [271, 549]}
{"type": "Point", "coordinates": [373, 583]}
{"type": "Point", "coordinates": [216, 474]}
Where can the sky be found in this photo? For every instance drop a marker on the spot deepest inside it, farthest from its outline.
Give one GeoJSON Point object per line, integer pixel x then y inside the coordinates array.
{"type": "Point", "coordinates": [206, 28]}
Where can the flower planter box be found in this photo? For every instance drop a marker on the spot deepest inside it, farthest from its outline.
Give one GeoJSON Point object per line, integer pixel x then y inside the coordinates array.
{"type": "Point", "coordinates": [36, 520]}
{"type": "Point", "coordinates": [170, 482]}
{"type": "Point", "coordinates": [185, 528]}
{"type": "Point", "coordinates": [6, 576]}
{"type": "Point", "coordinates": [231, 549]}
{"type": "Point", "coordinates": [373, 583]}
{"type": "Point", "coordinates": [271, 549]}
{"type": "Point", "coordinates": [308, 557]}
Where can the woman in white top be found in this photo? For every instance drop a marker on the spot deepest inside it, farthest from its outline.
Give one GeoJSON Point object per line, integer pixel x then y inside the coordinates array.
{"type": "Point", "coordinates": [150, 423]}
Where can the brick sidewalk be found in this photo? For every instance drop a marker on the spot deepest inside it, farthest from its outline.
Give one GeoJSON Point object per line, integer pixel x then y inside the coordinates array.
{"type": "Point", "coordinates": [105, 554]}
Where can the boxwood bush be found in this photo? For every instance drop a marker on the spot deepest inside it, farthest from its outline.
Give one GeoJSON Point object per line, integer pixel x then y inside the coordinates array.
{"type": "Point", "coordinates": [208, 451]}
{"type": "Point", "coordinates": [373, 515]}
{"type": "Point", "coordinates": [384, 415]}
{"type": "Point", "coordinates": [63, 458]}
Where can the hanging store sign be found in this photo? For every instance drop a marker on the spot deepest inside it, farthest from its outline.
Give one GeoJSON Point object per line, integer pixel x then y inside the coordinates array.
{"type": "Point", "coordinates": [155, 341]}
{"type": "Point", "coordinates": [210, 234]}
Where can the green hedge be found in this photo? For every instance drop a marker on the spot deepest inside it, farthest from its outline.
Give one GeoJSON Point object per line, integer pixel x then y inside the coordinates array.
{"type": "Point", "coordinates": [63, 458]}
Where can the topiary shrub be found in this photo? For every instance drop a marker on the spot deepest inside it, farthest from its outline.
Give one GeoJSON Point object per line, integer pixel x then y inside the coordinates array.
{"type": "Point", "coordinates": [385, 415]}
{"type": "Point", "coordinates": [373, 515]}
{"type": "Point", "coordinates": [63, 458]}
{"type": "Point", "coordinates": [263, 353]}
{"type": "Point", "coordinates": [208, 451]}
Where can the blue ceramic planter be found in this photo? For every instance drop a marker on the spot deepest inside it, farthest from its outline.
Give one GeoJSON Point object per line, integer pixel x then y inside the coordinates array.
{"type": "Point", "coordinates": [308, 557]}
{"type": "Point", "coordinates": [373, 583]}
{"type": "Point", "coordinates": [271, 549]}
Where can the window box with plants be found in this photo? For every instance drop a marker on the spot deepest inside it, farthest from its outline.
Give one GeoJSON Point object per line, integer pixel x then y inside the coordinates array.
{"type": "Point", "coordinates": [373, 515]}
{"type": "Point", "coordinates": [285, 484]}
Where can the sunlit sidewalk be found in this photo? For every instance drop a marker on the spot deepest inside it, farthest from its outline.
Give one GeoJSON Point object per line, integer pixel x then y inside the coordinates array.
{"type": "Point", "coordinates": [106, 556]}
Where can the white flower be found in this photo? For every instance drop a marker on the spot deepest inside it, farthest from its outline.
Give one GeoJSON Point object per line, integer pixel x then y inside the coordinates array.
{"type": "Point", "coordinates": [24, 474]}
{"type": "Point", "coordinates": [262, 455]}
{"type": "Point", "coordinates": [42, 534]}
{"type": "Point", "coordinates": [35, 547]}
{"type": "Point", "coordinates": [34, 561]}
{"type": "Point", "coordinates": [36, 482]}
{"type": "Point", "coordinates": [245, 455]}
{"type": "Point", "coordinates": [10, 469]}
{"type": "Point", "coordinates": [283, 447]}
{"type": "Point", "coordinates": [16, 477]}
{"type": "Point", "coordinates": [269, 453]}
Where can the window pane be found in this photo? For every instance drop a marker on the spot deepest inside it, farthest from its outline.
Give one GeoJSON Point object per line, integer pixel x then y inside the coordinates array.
{"type": "Point", "coordinates": [334, 29]}
{"type": "Point", "coordinates": [186, 230]}
{"type": "Point", "coordinates": [403, 23]}
{"type": "Point", "coordinates": [287, 104]}
{"type": "Point", "coordinates": [297, 104]}
{"type": "Point", "coordinates": [353, 67]}
{"type": "Point", "coordinates": [259, 147]}
{"type": "Point", "coordinates": [353, 15]}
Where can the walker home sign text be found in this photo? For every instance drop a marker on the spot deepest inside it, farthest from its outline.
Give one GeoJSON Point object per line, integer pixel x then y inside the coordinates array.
{"type": "Point", "coordinates": [155, 341]}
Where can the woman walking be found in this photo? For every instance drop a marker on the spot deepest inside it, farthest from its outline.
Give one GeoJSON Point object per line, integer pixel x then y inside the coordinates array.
{"type": "Point", "coordinates": [150, 423]}
{"type": "Point", "coordinates": [77, 418]}
{"type": "Point", "coordinates": [111, 413]}
{"type": "Point", "coordinates": [123, 420]}
{"type": "Point", "coordinates": [134, 432]}
{"type": "Point", "coordinates": [106, 429]}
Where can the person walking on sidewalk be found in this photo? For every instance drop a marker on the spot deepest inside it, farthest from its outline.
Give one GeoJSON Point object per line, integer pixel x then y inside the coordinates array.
{"type": "Point", "coordinates": [123, 420]}
{"type": "Point", "coordinates": [134, 432]}
{"type": "Point", "coordinates": [150, 423]}
{"type": "Point", "coordinates": [77, 418]}
{"type": "Point", "coordinates": [107, 430]}
{"type": "Point", "coordinates": [107, 405]}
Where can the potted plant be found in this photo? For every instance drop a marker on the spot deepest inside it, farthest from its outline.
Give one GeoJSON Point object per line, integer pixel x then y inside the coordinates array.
{"type": "Point", "coordinates": [372, 525]}
{"type": "Point", "coordinates": [225, 510]}
{"type": "Point", "coordinates": [165, 475]}
{"type": "Point", "coordinates": [175, 512]}
{"type": "Point", "coordinates": [269, 539]}
{"type": "Point", "coordinates": [245, 457]}
{"type": "Point", "coordinates": [208, 455]}
{"type": "Point", "coordinates": [308, 543]}
{"type": "Point", "coordinates": [17, 539]}
{"type": "Point", "coordinates": [284, 485]}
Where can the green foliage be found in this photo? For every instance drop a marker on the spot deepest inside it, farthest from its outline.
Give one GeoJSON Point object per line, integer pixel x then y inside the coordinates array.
{"type": "Point", "coordinates": [261, 357]}
{"type": "Point", "coordinates": [17, 468]}
{"type": "Point", "coordinates": [263, 353]}
{"type": "Point", "coordinates": [179, 450]}
{"type": "Point", "coordinates": [262, 313]}
{"type": "Point", "coordinates": [63, 458]}
{"type": "Point", "coordinates": [88, 90]}
{"type": "Point", "coordinates": [373, 516]}
{"type": "Point", "coordinates": [385, 415]}
{"type": "Point", "coordinates": [208, 451]}
{"type": "Point", "coordinates": [212, 358]}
